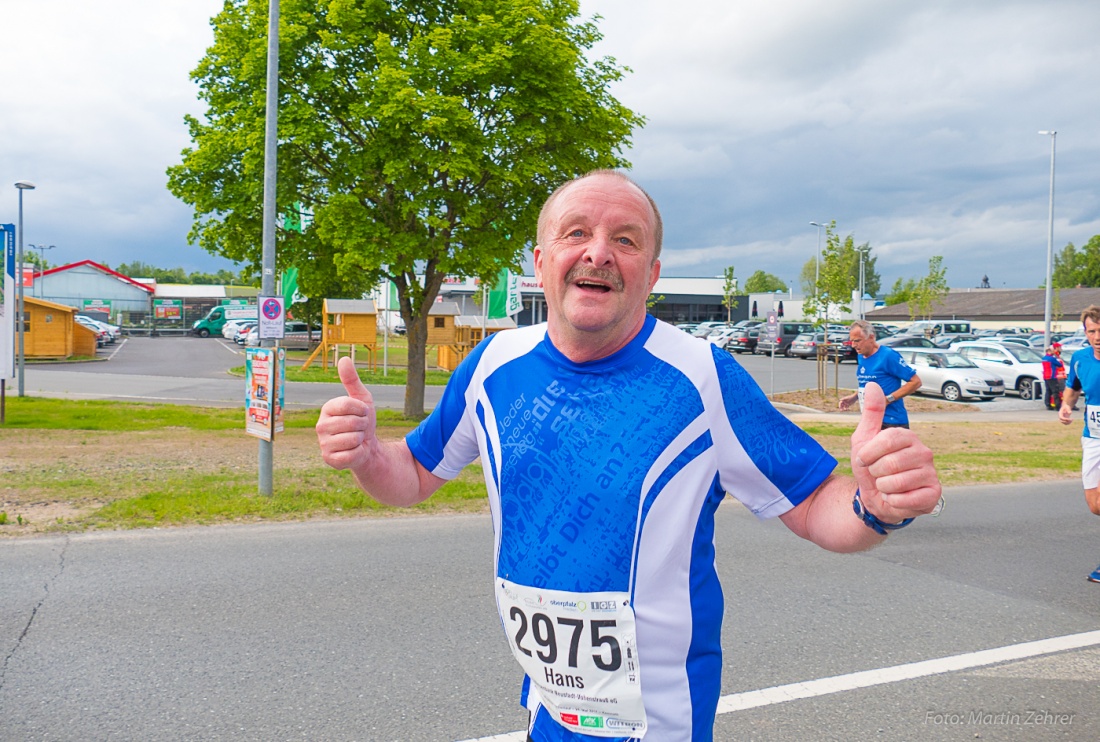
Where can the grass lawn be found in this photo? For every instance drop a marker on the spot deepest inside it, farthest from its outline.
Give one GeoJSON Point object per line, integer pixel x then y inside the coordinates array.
{"type": "Point", "coordinates": [76, 465]}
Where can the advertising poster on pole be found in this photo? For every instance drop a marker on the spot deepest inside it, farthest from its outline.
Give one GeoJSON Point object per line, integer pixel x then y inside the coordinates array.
{"type": "Point", "coordinates": [8, 302]}
{"type": "Point", "coordinates": [265, 376]}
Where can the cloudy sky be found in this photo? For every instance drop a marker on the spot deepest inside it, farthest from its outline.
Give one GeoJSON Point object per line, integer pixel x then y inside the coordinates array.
{"type": "Point", "coordinates": [911, 123]}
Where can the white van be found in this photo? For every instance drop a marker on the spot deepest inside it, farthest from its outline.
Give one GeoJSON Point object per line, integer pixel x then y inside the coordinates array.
{"type": "Point", "coordinates": [933, 327]}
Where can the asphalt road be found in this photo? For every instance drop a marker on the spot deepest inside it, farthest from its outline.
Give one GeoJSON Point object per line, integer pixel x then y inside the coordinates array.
{"type": "Point", "coordinates": [384, 629]}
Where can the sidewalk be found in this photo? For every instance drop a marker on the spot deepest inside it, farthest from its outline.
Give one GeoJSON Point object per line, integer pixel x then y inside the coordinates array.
{"type": "Point", "coordinates": [1008, 410]}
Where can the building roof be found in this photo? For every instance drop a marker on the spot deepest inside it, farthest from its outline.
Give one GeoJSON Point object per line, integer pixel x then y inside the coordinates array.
{"type": "Point", "coordinates": [350, 306]}
{"type": "Point", "coordinates": [998, 305]}
{"type": "Point", "coordinates": [444, 308]}
{"type": "Point", "coordinates": [49, 304]}
{"type": "Point", "coordinates": [101, 268]}
{"type": "Point", "coordinates": [470, 320]}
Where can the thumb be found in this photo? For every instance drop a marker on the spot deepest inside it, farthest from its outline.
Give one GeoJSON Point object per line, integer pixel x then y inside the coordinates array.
{"type": "Point", "coordinates": [872, 409]}
{"type": "Point", "coordinates": [349, 377]}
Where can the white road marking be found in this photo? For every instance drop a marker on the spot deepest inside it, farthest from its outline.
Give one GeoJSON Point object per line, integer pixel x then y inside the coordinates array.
{"type": "Point", "coordinates": [868, 678]}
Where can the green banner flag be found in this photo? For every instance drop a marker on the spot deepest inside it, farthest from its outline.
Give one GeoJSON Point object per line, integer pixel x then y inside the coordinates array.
{"type": "Point", "coordinates": [505, 299]}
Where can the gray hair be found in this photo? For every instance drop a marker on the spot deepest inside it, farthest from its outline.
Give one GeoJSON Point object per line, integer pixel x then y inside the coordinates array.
{"type": "Point", "coordinates": [865, 327]}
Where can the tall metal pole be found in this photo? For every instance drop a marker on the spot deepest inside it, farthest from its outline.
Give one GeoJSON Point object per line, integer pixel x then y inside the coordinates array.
{"type": "Point", "coordinates": [1050, 245]}
{"type": "Point", "coordinates": [817, 257]}
{"type": "Point", "coordinates": [21, 313]}
{"type": "Point", "coordinates": [267, 283]}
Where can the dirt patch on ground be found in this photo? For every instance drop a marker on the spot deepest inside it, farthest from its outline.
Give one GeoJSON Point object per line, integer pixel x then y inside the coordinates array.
{"type": "Point", "coordinates": [811, 399]}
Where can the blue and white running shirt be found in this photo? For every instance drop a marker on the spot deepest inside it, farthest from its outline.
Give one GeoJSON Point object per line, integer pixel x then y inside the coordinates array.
{"type": "Point", "coordinates": [889, 370]}
{"type": "Point", "coordinates": [605, 476]}
{"type": "Point", "coordinates": [1084, 376]}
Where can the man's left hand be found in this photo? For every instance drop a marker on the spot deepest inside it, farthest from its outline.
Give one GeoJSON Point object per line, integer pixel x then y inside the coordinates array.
{"type": "Point", "coordinates": [894, 470]}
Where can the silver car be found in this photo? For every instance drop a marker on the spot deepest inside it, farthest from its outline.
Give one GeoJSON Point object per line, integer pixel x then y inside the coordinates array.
{"type": "Point", "coordinates": [952, 376]}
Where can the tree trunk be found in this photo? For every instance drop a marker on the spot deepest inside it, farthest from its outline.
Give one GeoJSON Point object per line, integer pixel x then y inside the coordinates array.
{"type": "Point", "coordinates": [416, 332]}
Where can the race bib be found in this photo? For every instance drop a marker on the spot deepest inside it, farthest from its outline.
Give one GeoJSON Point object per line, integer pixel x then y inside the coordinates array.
{"type": "Point", "coordinates": [1092, 420]}
{"type": "Point", "coordinates": [580, 651]}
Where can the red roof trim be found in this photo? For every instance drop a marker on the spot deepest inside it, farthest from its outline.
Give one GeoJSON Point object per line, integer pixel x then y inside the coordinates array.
{"type": "Point", "coordinates": [102, 268]}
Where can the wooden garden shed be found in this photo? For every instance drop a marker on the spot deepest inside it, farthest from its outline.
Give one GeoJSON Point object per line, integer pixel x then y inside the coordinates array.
{"type": "Point", "coordinates": [347, 322]}
{"type": "Point", "coordinates": [53, 333]}
{"type": "Point", "coordinates": [441, 323]}
{"type": "Point", "coordinates": [469, 331]}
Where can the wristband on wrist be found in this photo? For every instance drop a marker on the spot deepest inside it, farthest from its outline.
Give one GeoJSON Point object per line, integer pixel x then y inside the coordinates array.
{"type": "Point", "coordinates": [890, 399]}
{"type": "Point", "coordinates": [872, 522]}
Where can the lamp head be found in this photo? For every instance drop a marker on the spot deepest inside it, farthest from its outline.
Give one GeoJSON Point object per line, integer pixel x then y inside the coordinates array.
{"type": "Point", "coordinates": [25, 185]}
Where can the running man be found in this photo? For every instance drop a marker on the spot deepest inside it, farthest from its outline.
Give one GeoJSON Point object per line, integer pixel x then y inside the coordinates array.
{"type": "Point", "coordinates": [1083, 377]}
{"type": "Point", "coordinates": [885, 367]}
{"type": "Point", "coordinates": [608, 440]}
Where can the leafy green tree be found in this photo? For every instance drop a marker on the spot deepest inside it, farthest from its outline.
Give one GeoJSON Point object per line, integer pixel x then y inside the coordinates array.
{"type": "Point", "coordinates": [849, 256]}
{"type": "Point", "coordinates": [729, 290]}
{"type": "Point", "coordinates": [761, 283]}
{"type": "Point", "coordinates": [835, 282]}
{"type": "Point", "coordinates": [422, 137]}
{"type": "Point", "coordinates": [808, 276]}
{"type": "Point", "coordinates": [1067, 268]}
{"type": "Point", "coordinates": [902, 291]}
{"type": "Point", "coordinates": [929, 290]}
{"type": "Point", "coordinates": [1088, 270]}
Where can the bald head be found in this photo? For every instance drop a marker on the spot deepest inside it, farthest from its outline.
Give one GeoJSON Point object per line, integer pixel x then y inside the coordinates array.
{"type": "Point", "coordinates": [657, 228]}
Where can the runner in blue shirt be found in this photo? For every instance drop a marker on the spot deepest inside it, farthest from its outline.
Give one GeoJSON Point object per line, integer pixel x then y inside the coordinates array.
{"type": "Point", "coordinates": [885, 367]}
{"type": "Point", "coordinates": [1084, 377]}
{"type": "Point", "coordinates": [608, 440]}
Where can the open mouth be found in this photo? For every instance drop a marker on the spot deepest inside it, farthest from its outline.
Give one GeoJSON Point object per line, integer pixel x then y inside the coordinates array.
{"type": "Point", "coordinates": [592, 286]}
{"type": "Point", "coordinates": [596, 281]}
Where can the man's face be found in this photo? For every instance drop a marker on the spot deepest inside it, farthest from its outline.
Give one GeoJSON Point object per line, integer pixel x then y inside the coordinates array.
{"type": "Point", "coordinates": [1092, 332]}
{"type": "Point", "coordinates": [859, 341]}
{"type": "Point", "coordinates": [597, 267]}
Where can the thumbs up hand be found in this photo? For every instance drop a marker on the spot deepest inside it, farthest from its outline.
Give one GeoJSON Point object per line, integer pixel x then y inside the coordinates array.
{"type": "Point", "coordinates": [894, 470]}
{"type": "Point", "coordinates": [346, 426]}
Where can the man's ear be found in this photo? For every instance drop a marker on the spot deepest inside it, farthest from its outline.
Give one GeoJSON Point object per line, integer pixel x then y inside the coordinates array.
{"type": "Point", "coordinates": [538, 265]}
{"type": "Point", "coordinates": [655, 273]}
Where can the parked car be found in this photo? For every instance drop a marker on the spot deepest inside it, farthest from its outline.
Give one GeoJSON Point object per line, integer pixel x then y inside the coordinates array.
{"type": "Point", "coordinates": [744, 342]}
{"type": "Point", "coordinates": [1038, 340]}
{"type": "Point", "coordinates": [706, 328]}
{"type": "Point", "coordinates": [1073, 343]}
{"type": "Point", "coordinates": [1011, 340]}
{"type": "Point", "coordinates": [947, 339]}
{"type": "Point", "coordinates": [788, 331]}
{"type": "Point", "coordinates": [907, 341]}
{"type": "Point", "coordinates": [806, 344]}
{"type": "Point", "coordinates": [838, 345]}
{"type": "Point", "coordinates": [114, 331]}
{"type": "Point", "coordinates": [723, 335]}
{"type": "Point", "coordinates": [296, 335]}
{"type": "Point", "coordinates": [952, 375]}
{"type": "Point", "coordinates": [1019, 366]}
{"type": "Point", "coordinates": [242, 331]}
{"type": "Point", "coordinates": [101, 336]}
{"type": "Point", "coordinates": [233, 326]}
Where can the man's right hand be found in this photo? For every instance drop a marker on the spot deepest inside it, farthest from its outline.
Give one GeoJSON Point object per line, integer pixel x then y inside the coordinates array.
{"type": "Point", "coordinates": [346, 427]}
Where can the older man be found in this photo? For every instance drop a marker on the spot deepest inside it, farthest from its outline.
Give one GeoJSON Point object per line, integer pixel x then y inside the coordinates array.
{"type": "Point", "coordinates": [608, 440]}
{"type": "Point", "coordinates": [883, 366]}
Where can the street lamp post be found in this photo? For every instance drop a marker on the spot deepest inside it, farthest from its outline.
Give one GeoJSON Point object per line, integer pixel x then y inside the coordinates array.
{"type": "Point", "coordinates": [41, 259]}
{"type": "Point", "coordinates": [1050, 244]}
{"type": "Point", "coordinates": [21, 316]}
{"type": "Point", "coordinates": [817, 257]}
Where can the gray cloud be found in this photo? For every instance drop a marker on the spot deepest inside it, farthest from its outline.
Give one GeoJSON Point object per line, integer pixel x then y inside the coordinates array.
{"type": "Point", "coordinates": [913, 125]}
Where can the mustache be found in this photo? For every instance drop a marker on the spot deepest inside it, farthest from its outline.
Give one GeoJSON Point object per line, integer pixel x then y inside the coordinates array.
{"type": "Point", "coordinates": [578, 272]}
